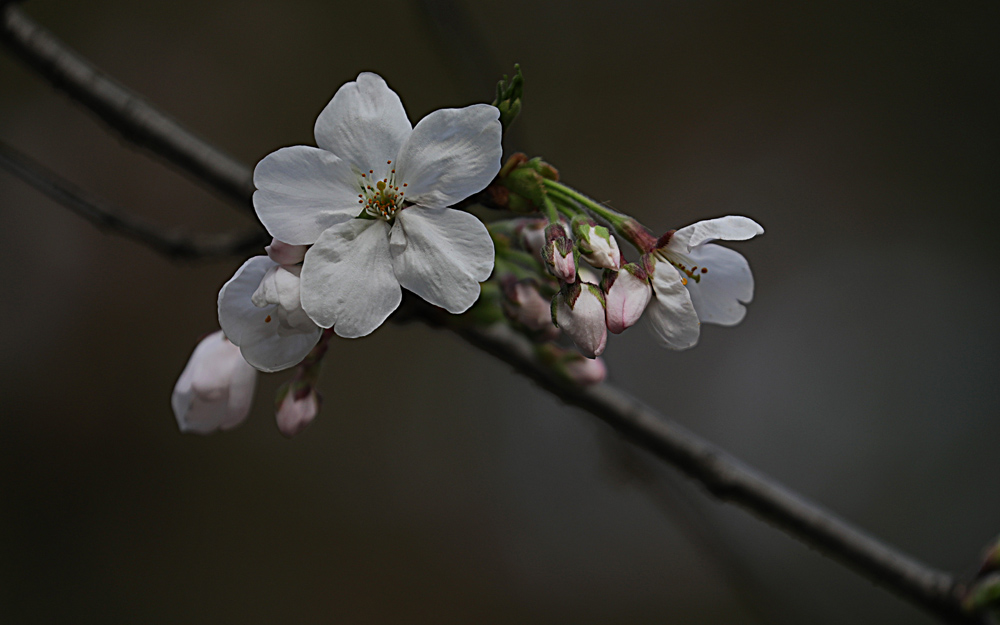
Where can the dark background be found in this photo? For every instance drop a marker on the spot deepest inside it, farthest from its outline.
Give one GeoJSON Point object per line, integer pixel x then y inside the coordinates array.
{"type": "Point", "coordinates": [863, 136]}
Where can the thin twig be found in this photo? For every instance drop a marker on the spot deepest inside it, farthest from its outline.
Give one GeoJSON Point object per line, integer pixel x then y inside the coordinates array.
{"type": "Point", "coordinates": [101, 214]}
{"type": "Point", "coordinates": [124, 111]}
{"type": "Point", "coordinates": [724, 476]}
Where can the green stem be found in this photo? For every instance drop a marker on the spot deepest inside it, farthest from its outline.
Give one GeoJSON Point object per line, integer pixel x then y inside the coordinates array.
{"type": "Point", "coordinates": [627, 227]}
{"type": "Point", "coordinates": [551, 212]}
{"type": "Point", "coordinates": [612, 217]}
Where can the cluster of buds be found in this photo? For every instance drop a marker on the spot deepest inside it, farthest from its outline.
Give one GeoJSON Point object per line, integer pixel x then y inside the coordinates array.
{"type": "Point", "coordinates": [263, 329]}
{"type": "Point", "coordinates": [565, 249]}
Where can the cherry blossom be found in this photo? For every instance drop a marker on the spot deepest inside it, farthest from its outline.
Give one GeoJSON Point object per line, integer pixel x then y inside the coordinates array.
{"type": "Point", "coordinates": [372, 202]}
{"type": "Point", "coordinates": [696, 281]}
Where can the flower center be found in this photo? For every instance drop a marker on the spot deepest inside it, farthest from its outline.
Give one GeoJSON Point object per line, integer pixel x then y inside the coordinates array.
{"type": "Point", "coordinates": [381, 199]}
{"type": "Point", "coordinates": [683, 265]}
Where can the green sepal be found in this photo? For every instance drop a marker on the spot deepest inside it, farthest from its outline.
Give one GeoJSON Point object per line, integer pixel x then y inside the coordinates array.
{"type": "Point", "coordinates": [508, 98]}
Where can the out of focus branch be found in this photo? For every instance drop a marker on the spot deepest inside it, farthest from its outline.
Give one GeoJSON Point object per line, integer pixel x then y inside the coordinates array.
{"type": "Point", "coordinates": [724, 476]}
{"type": "Point", "coordinates": [101, 214]}
{"type": "Point", "coordinates": [124, 111]}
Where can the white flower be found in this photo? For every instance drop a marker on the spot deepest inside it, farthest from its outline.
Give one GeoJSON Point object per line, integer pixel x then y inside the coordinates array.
{"type": "Point", "coordinates": [215, 389]}
{"type": "Point", "coordinates": [694, 279]}
{"type": "Point", "coordinates": [400, 180]}
{"type": "Point", "coordinates": [260, 310]}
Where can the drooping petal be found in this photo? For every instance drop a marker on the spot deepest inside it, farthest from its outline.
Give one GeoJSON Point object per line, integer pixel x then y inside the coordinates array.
{"type": "Point", "coordinates": [302, 191]}
{"type": "Point", "coordinates": [720, 293]}
{"type": "Point", "coordinates": [365, 124]}
{"type": "Point", "coordinates": [451, 154]}
{"type": "Point", "coordinates": [262, 341]}
{"type": "Point", "coordinates": [347, 278]}
{"type": "Point", "coordinates": [442, 255]}
{"type": "Point", "coordinates": [215, 390]}
{"type": "Point", "coordinates": [670, 313]}
{"type": "Point", "coordinates": [728, 228]}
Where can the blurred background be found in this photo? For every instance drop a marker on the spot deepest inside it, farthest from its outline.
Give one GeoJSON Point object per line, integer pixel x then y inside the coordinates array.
{"type": "Point", "coordinates": [863, 136]}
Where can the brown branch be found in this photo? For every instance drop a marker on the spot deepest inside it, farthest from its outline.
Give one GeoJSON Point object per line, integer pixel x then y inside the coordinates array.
{"type": "Point", "coordinates": [125, 112]}
{"type": "Point", "coordinates": [724, 476]}
{"type": "Point", "coordinates": [105, 217]}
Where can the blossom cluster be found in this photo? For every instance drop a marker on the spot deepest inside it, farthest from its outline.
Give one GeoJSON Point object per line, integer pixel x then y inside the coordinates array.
{"type": "Point", "coordinates": [370, 211]}
{"type": "Point", "coordinates": [678, 281]}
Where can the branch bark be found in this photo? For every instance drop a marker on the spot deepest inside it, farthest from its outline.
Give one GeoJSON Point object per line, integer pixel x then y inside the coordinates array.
{"type": "Point", "coordinates": [722, 475]}
{"type": "Point", "coordinates": [105, 217]}
{"type": "Point", "coordinates": [125, 112]}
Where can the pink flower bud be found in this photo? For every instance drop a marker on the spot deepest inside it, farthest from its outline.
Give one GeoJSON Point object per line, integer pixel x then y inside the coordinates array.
{"type": "Point", "coordinates": [558, 254]}
{"type": "Point", "coordinates": [578, 310]}
{"type": "Point", "coordinates": [215, 389]}
{"type": "Point", "coordinates": [525, 305]}
{"type": "Point", "coordinates": [585, 371]}
{"type": "Point", "coordinates": [626, 294]}
{"type": "Point", "coordinates": [297, 409]}
{"type": "Point", "coordinates": [285, 253]}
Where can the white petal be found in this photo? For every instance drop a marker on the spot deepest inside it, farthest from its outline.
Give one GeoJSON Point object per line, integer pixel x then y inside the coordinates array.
{"type": "Point", "coordinates": [729, 228]}
{"type": "Point", "coordinates": [347, 278]}
{"type": "Point", "coordinates": [451, 154]}
{"type": "Point", "coordinates": [365, 124]}
{"type": "Point", "coordinates": [256, 330]}
{"type": "Point", "coordinates": [670, 313]}
{"type": "Point", "coordinates": [442, 255]}
{"type": "Point", "coordinates": [718, 295]}
{"type": "Point", "coordinates": [302, 191]}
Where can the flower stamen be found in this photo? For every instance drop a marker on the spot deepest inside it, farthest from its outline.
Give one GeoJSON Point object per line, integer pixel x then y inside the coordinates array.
{"type": "Point", "coordinates": [383, 200]}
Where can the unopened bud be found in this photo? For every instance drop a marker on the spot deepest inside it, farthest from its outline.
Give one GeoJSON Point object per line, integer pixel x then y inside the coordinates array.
{"type": "Point", "coordinates": [578, 310]}
{"type": "Point", "coordinates": [558, 254]}
{"type": "Point", "coordinates": [524, 304]}
{"type": "Point", "coordinates": [297, 404]}
{"type": "Point", "coordinates": [508, 99]}
{"type": "Point", "coordinates": [585, 371]}
{"type": "Point", "coordinates": [626, 294]}
{"type": "Point", "coordinates": [531, 236]}
{"type": "Point", "coordinates": [572, 365]}
{"type": "Point", "coordinates": [215, 390]}
{"type": "Point", "coordinates": [596, 244]}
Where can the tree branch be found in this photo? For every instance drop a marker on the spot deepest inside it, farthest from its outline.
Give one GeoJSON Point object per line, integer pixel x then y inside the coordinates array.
{"type": "Point", "coordinates": [101, 214]}
{"type": "Point", "coordinates": [124, 111]}
{"type": "Point", "coordinates": [724, 476]}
